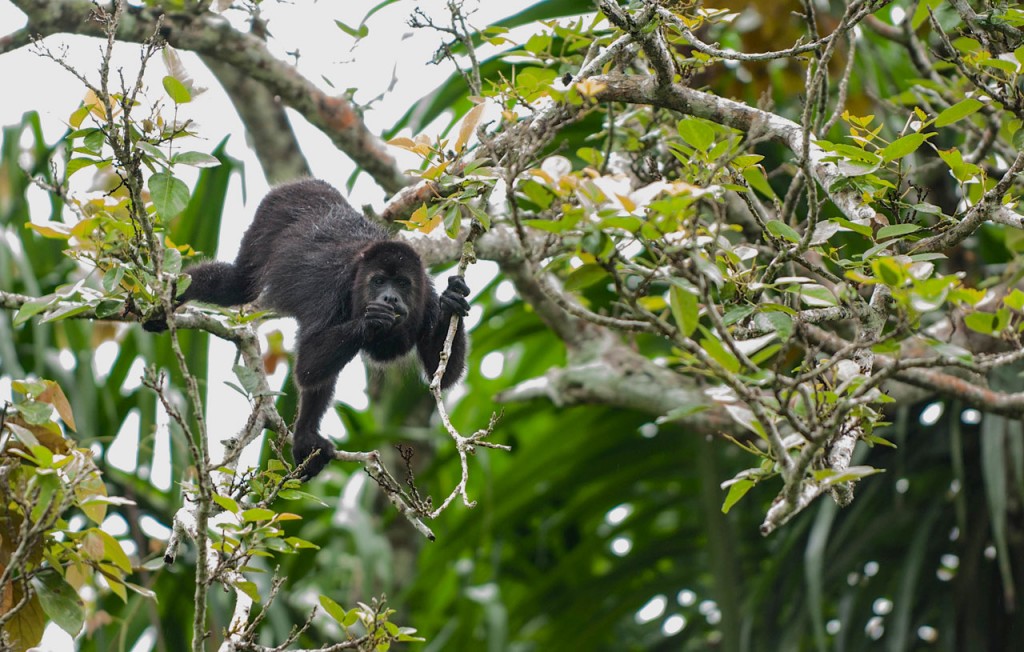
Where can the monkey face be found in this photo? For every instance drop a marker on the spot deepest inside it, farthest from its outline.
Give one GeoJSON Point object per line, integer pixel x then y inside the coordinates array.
{"type": "Point", "coordinates": [390, 292]}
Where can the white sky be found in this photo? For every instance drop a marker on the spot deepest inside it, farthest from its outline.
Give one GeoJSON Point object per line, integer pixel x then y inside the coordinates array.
{"type": "Point", "coordinates": [31, 82]}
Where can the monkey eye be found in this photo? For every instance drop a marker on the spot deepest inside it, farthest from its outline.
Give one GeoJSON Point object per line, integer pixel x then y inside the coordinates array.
{"type": "Point", "coordinates": [377, 281]}
{"type": "Point", "coordinates": [402, 282]}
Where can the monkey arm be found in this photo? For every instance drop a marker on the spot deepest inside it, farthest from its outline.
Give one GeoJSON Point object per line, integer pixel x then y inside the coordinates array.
{"type": "Point", "coordinates": [431, 341]}
{"type": "Point", "coordinates": [313, 404]}
{"type": "Point", "coordinates": [322, 354]}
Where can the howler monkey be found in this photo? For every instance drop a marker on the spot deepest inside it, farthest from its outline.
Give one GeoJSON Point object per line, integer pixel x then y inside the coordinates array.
{"type": "Point", "coordinates": [310, 255]}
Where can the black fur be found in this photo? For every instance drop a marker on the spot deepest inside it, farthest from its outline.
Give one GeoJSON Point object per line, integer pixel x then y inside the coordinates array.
{"type": "Point", "coordinates": [310, 255]}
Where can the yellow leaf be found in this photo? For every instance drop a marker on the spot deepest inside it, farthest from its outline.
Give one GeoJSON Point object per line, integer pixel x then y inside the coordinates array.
{"type": "Point", "coordinates": [115, 581]}
{"type": "Point", "coordinates": [55, 230]}
{"type": "Point", "coordinates": [543, 175]}
{"type": "Point", "coordinates": [95, 105]}
{"type": "Point", "coordinates": [54, 395]}
{"type": "Point", "coordinates": [432, 173]}
{"type": "Point", "coordinates": [627, 203]}
{"type": "Point", "coordinates": [469, 124]}
{"type": "Point", "coordinates": [92, 545]}
{"type": "Point", "coordinates": [403, 142]}
{"type": "Point", "coordinates": [590, 87]}
{"type": "Point", "coordinates": [85, 227]}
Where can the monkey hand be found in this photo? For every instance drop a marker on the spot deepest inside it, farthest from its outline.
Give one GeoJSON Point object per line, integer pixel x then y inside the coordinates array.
{"type": "Point", "coordinates": [315, 451]}
{"type": "Point", "coordinates": [379, 317]}
{"type": "Point", "coordinates": [453, 299]}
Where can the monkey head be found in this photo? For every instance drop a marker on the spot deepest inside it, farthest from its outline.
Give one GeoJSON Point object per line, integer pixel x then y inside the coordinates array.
{"type": "Point", "coordinates": [389, 284]}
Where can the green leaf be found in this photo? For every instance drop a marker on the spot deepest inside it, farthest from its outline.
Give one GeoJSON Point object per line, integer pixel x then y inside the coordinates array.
{"type": "Point", "coordinates": [226, 503]}
{"type": "Point", "coordinates": [538, 43]}
{"type": "Point", "coordinates": [681, 412]}
{"type": "Point", "coordinates": [172, 261]}
{"type": "Point", "coordinates": [962, 170]}
{"type": "Point", "coordinates": [781, 322]}
{"type": "Point", "coordinates": [862, 229]}
{"type": "Point", "coordinates": [31, 308]}
{"type": "Point", "coordinates": [195, 159]}
{"type": "Point", "coordinates": [782, 230]}
{"type": "Point", "coordinates": [755, 176]}
{"type": "Point", "coordinates": [902, 146]}
{"type": "Point", "coordinates": [720, 354]}
{"type": "Point", "coordinates": [696, 133]}
{"type": "Point", "coordinates": [735, 313]}
{"type": "Point", "coordinates": [112, 278]}
{"type": "Point", "coordinates": [923, 10]}
{"type": "Point", "coordinates": [334, 610]}
{"type": "Point", "coordinates": [889, 271]}
{"type": "Point", "coordinates": [958, 111]}
{"type": "Point", "coordinates": [685, 309]}
{"type": "Point", "coordinates": [170, 194]}
{"type": "Point", "coordinates": [76, 118]}
{"type": "Point", "coordinates": [736, 491]}
{"type": "Point", "coordinates": [896, 230]}
{"type": "Point", "coordinates": [109, 308]}
{"type": "Point", "coordinates": [93, 141]}
{"type": "Point", "coordinates": [584, 276]}
{"type": "Point", "coordinates": [250, 589]}
{"type": "Point", "coordinates": [1015, 300]}
{"type": "Point", "coordinates": [258, 514]}
{"type": "Point", "coordinates": [113, 551]}
{"type": "Point", "coordinates": [60, 601]}
{"type": "Point", "coordinates": [355, 32]}
{"type": "Point", "coordinates": [177, 91]}
{"type": "Point", "coordinates": [250, 379]}
{"type": "Point", "coordinates": [981, 322]}
{"type": "Point", "coordinates": [76, 164]}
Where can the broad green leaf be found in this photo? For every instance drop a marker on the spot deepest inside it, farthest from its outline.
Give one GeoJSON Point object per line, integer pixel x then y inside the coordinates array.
{"type": "Point", "coordinates": [736, 491]}
{"type": "Point", "coordinates": [250, 380]}
{"type": "Point", "coordinates": [958, 111]}
{"type": "Point", "coordinates": [170, 194]}
{"type": "Point", "coordinates": [720, 354]}
{"type": "Point", "coordinates": [31, 308]}
{"type": "Point", "coordinates": [981, 322]}
{"type": "Point", "coordinates": [258, 514]}
{"type": "Point", "coordinates": [889, 271]}
{"type": "Point", "coordinates": [902, 146]}
{"type": "Point", "coordinates": [696, 133]}
{"type": "Point", "coordinates": [93, 141]}
{"type": "Point", "coordinates": [177, 91]}
{"type": "Point", "coordinates": [226, 503]}
{"type": "Point", "coordinates": [60, 601]}
{"type": "Point", "coordinates": [76, 164]}
{"type": "Point", "coordinates": [755, 176]}
{"type": "Point", "coordinates": [196, 159]}
{"type": "Point", "coordinates": [896, 230]}
{"type": "Point", "coordinates": [685, 309]}
{"type": "Point", "coordinates": [681, 412]}
{"type": "Point", "coordinates": [1015, 300]}
{"type": "Point", "coordinates": [585, 276]}
{"type": "Point", "coordinates": [962, 170]}
{"type": "Point", "coordinates": [334, 610]}
{"type": "Point", "coordinates": [250, 589]}
{"type": "Point", "coordinates": [782, 230]}
{"type": "Point", "coordinates": [113, 551]}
